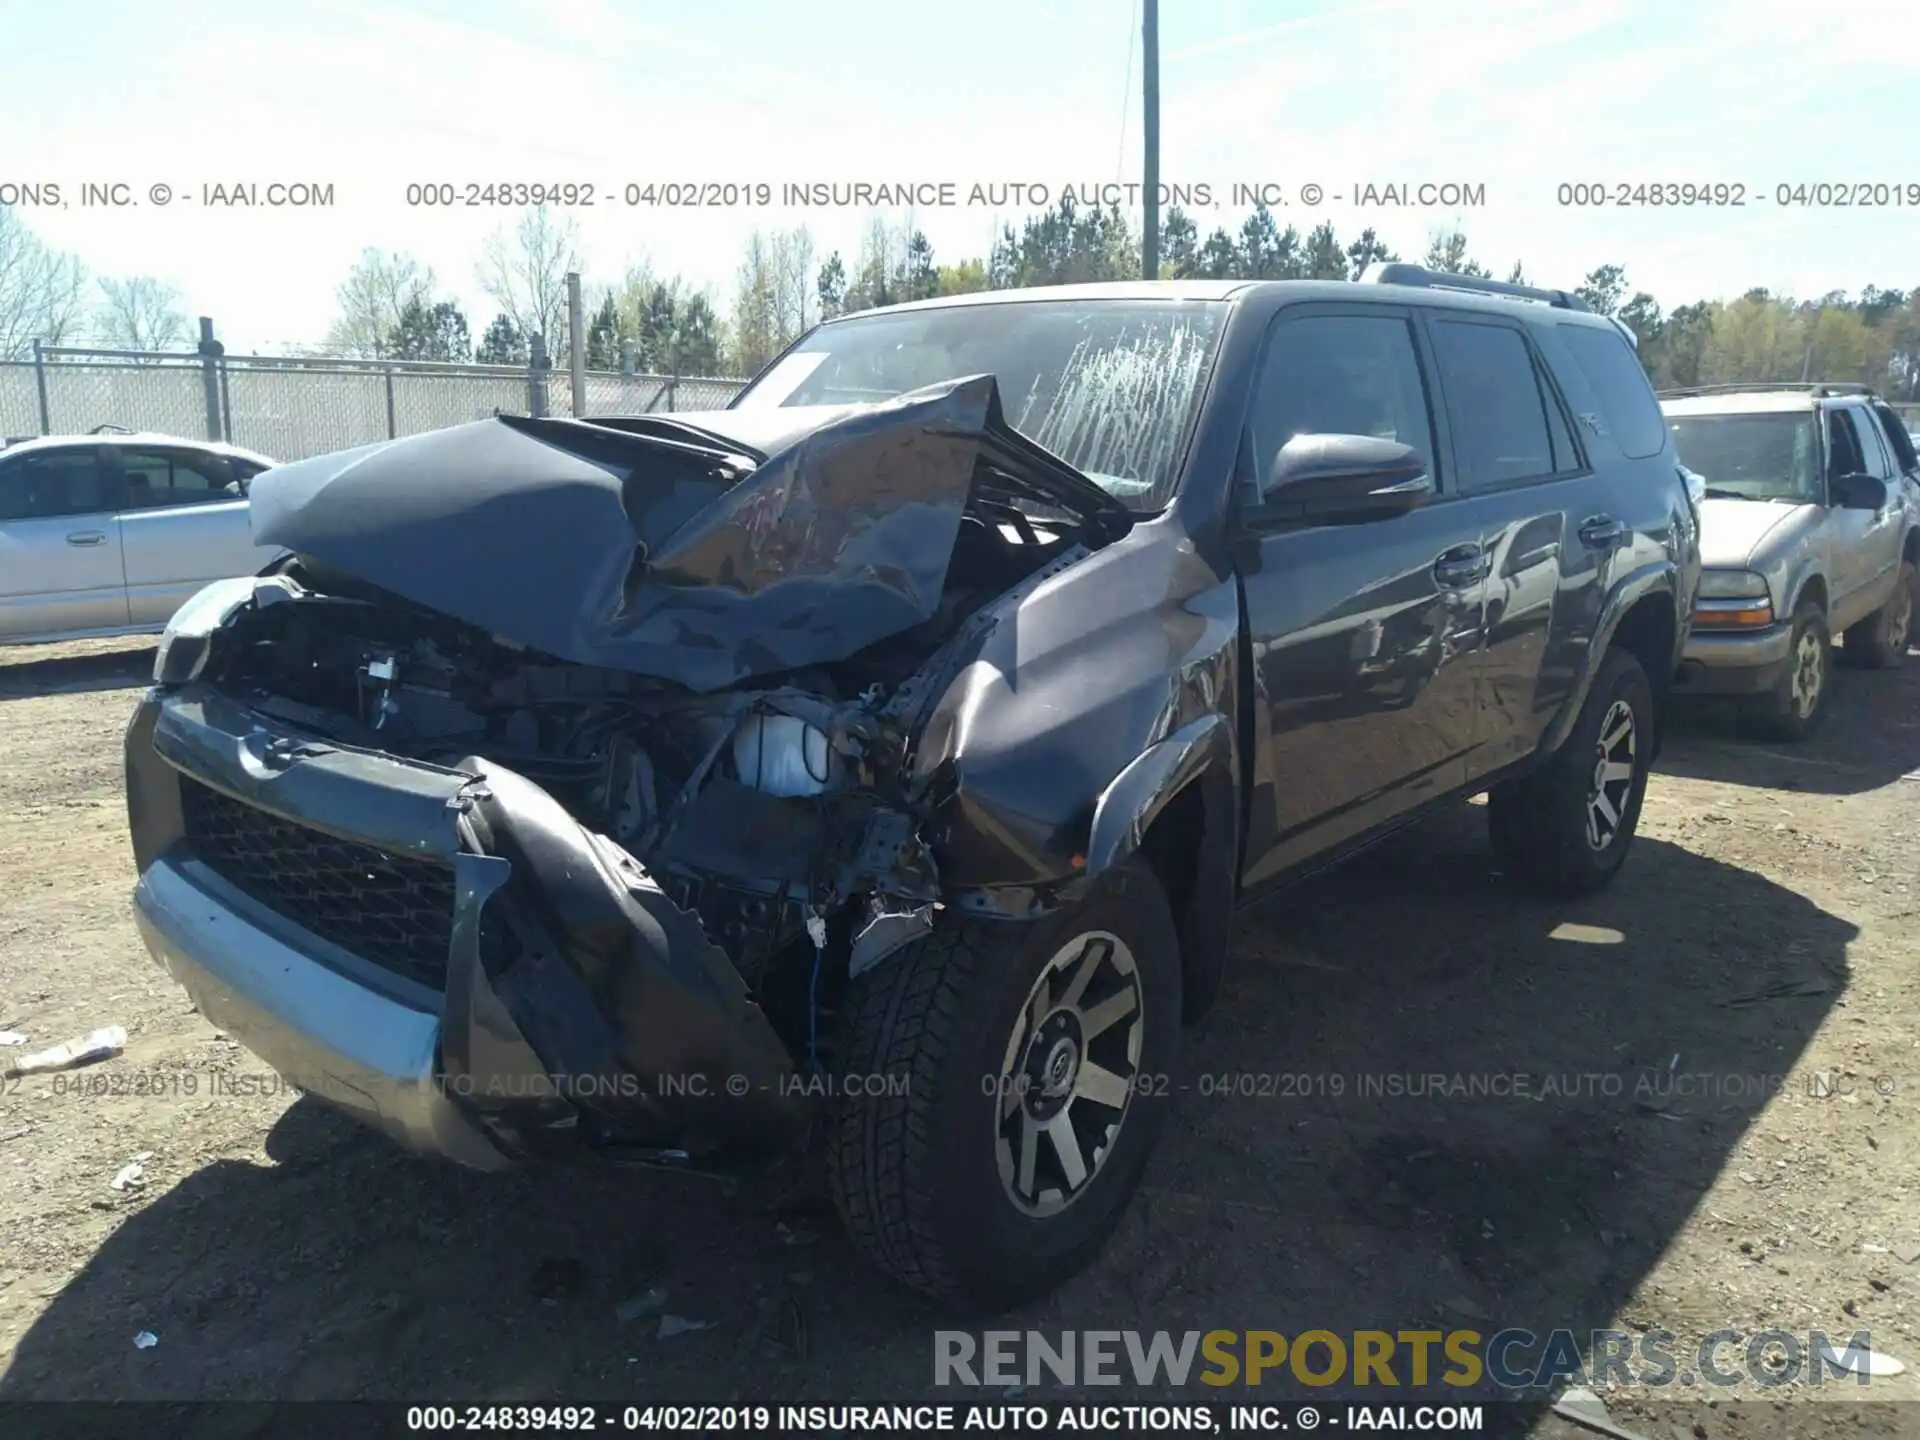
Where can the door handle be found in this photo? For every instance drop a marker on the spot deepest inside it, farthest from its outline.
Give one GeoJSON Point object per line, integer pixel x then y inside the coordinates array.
{"type": "Point", "coordinates": [87, 537]}
{"type": "Point", "coordinates": [1601, 531]}
{"type": "Point", "coordinates": [1461, 566]}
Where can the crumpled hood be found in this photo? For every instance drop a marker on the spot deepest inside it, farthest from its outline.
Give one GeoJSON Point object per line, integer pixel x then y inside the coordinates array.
{"type": "Point", "coordinates": [1732, 530]}
{"type": "Point", "coordinates": [658, 547]}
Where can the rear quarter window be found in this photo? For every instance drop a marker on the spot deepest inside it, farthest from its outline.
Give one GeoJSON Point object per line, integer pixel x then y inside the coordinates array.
{"type": "Point", "coordinates": [1625, 396]}
{"type": "Point", "coordinates": [1898, 440]}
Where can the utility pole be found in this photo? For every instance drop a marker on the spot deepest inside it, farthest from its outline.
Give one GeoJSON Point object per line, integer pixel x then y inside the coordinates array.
{"type": "Point", "coordinates": [1150, 124]}
{"type": "Point", "coordinates": [577, 343]}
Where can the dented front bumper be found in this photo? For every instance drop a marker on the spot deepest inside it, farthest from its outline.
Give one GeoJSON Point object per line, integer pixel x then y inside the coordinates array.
{"type": "Point", "coordinates": [442, 952]}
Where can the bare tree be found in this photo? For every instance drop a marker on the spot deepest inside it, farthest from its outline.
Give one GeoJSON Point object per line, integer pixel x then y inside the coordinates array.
{"type": "Point", "coordinates": [753, 336]}
{"type": "Point", "coordinates": [141, 313]}
{"type": "Point", "coordinates": [373, 297]}
{"type": "Point", "coordinates": [793, 259]}
{"type": "Point", "coordinates": [773, 300]}
{"type": "Point", "coordinates": [42, 290]}
{"type": "Point", "coordinates": [524, 271]}
{"type": "Point", "coordinates": [879, 270]}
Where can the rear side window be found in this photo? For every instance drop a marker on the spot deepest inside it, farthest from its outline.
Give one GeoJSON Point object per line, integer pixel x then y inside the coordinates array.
{"type": "Point", "coordinates": [1898, 440]}
{"type": "Point", "coordinates": [1627, 402]}
{"type": "Point", "coordinates": [47, 485]}
{"type": "Point", "coordinates": [1501, 432]}
{"type": "Point", "coordinates": [1872, 448]}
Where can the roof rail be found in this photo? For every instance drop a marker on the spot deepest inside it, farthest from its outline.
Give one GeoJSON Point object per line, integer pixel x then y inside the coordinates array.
{"type": "Point", "coordinates": [1819, 389]}
{"type": "Point", "coordinates": [1403, 274]}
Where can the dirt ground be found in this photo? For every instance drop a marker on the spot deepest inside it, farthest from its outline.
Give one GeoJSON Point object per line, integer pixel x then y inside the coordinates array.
{"type": "Point", "coordinates": [1718, 1128]}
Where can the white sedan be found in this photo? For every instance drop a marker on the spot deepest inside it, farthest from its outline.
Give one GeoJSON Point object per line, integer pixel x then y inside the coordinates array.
{"type": "Point", "coordinates": [109, 534]}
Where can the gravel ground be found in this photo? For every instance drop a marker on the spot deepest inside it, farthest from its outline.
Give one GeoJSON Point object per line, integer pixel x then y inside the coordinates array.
{"type": "Point", "coordinates": [1718, 1129]}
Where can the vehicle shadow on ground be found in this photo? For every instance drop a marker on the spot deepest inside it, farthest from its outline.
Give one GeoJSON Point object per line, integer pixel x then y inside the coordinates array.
{"type": "Point", "coordinates": [1422, 1103]}
{"type": "Point", "coordinates": [23, 679]}
{"type": "Point", "coordinates": [1870, 737]}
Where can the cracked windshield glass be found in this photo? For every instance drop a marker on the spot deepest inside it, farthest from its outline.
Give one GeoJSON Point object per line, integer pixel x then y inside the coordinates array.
{"type": "Point", "coordinates": [1752, 457]}
{"type": "Point", "coordinates": [1109, 387]}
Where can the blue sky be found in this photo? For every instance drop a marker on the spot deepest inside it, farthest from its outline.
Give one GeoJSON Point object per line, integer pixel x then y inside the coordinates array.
{"type": "Point", "coordinates": [1519, 96]}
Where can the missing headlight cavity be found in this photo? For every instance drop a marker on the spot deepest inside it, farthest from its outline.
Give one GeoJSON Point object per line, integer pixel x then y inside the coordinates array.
{"type": "Point", "coordinates": [754, 808]}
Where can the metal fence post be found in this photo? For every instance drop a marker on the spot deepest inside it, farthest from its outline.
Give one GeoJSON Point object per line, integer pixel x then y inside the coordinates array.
{"type": "Point", "coordinates": [626, 359]}
{"type": "Point", "coordinates": [210, 351]}
{"type": "Point", "coordinates": [40, 385]}
{"type": "Point", "coordinates": [537, 367]}
{"type": "Point", "coordinates": [673, 373]}
{"type": "Point", "coordinates": [393, 427]}
{"type": "Point", "coordinates": [576, 344]}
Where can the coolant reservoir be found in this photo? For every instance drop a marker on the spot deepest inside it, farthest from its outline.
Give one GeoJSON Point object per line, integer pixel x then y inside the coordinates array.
{"type": "Point", "coordinates": [781, 755]}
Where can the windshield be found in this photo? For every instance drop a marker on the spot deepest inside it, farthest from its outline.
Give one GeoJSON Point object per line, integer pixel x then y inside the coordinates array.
{"type": "Point", "coordinates": [1110, 386]}
{"type": "Point", "coordinates": [1753, 457]}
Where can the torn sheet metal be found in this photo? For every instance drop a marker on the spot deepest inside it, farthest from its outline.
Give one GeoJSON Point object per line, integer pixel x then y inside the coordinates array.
{"type": "Point", "coordinates": [665, 551]}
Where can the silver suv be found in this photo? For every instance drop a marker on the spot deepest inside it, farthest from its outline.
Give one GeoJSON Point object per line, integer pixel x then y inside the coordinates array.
{"type": "Point", "coordinates": [1810, 528]}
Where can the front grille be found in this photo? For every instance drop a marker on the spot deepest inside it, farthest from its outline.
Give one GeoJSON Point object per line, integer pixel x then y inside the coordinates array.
{"type": "Point", "coordinates": [395, 910]}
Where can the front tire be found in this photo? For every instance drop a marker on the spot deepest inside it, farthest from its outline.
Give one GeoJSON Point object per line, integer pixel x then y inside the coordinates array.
{"type": "Point", "coordinates": [1794, 708]}
{"type": "Point", "coordinates": [1564, 830]}
{"type": "Point", "coordinates": [1880, 641]}
{"type": "Point", "coordinates": [1025, 1086]}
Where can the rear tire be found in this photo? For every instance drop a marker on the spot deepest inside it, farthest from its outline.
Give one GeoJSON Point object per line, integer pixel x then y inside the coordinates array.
{"type": "Point", "coordinates": [1794, 708]}
{"type": "Point", "coordinates": [934, 1178]}
{"type": "Point", "coordinates": [1880, 641]}
{"type": "Point", "coordinates": [1564, 830]}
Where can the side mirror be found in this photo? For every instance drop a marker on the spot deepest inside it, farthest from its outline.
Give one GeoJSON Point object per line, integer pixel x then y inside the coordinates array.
{"type": "Point", "coordinates": [1343, 479]}
{"type": "Point", "coordinates": [1860, 492]}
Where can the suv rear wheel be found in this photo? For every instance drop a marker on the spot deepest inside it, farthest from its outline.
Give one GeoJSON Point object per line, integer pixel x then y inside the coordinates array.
{"type": "Point", "coordinates": [1794, 708]}
{"type": "Point", "coordinates": [1880, 641]}
{"type": "Point", "coordinates": [1023, 1093]}
{"type": "Point", "coordinates": [1564, 829]}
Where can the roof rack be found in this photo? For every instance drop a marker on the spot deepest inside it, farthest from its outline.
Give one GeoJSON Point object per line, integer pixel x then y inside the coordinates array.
{"type": "Point", "coordinates": [1817, 388]}
{"type": "Point", "coordinates": [1403, 274]}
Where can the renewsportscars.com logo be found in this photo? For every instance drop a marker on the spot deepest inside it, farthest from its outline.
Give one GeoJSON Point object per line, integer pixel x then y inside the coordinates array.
{"type": "Point", "coordinates": [1513, 1358]}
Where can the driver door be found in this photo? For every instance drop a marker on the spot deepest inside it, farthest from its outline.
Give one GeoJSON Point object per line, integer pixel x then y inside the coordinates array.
{"type": "Point", "coordinates": [186, 523]}
{"type": "Point", "coordinates": [1881, 555]}
{"type": "Point", "coordinates": [1854, 558]}
{"type": "Point", "coordinates": [1365, 636]}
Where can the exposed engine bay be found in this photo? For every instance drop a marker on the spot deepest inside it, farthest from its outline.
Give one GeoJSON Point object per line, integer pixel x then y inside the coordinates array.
{"type": "Point", "coordinates": [775, 809]}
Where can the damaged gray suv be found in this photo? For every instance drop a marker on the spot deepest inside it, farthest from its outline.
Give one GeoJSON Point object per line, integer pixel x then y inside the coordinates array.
{"type": "Point", "coordinates": [873, 767]}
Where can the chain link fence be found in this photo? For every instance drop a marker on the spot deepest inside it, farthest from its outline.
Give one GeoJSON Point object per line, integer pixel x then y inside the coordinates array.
{"type": "Point", "coordinates": [292, 407]}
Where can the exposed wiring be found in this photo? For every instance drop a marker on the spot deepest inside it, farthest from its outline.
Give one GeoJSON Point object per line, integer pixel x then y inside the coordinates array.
{"type": "Point", "coordinates": [816, 932]}
{"type": "Point", "coordinates": [826, 762]}
{"type": "Point", "coordinates": [813, 1001]}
